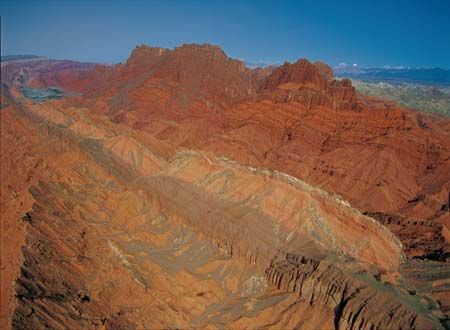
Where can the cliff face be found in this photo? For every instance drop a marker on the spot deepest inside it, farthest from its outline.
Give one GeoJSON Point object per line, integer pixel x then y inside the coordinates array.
{"type": "Point", "coordinates": [325, 70]}
{"type": "Point", "coordinates": [183, 186]}
{"type": "Point", "coordinates": [295, 76]}
{"type": "Point", "coordinates": [190, 77]}
{"type": "Point", "coordinates": [355, 304]}
{"type": "Point", "coordinates": [311, 85]}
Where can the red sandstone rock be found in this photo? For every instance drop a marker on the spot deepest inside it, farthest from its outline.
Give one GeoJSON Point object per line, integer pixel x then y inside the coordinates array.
{"type": "Point", "coordinates": [119, 221]}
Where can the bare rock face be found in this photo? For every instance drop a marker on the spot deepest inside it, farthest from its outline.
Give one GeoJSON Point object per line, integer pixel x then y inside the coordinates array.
{"type": "Point", "coordinates": [51, 289]}
{"type": "Point", "coordinates": [342, 90]}
{"type": "Point", "coordinates": [78, 272]}
{"type": "Point", "coordinates": [294, 76]}
{"type": "Point", "coordinates": [190, 77]}
{"type": "Point", "coordinates": [144, 57]}
{"type": "Point", "coordinates": [310, 85]}
{"type": "Point", "coordinates": [421, 239]}
{"type": "Point", "coordinates": [353, 302]}
{"type": "Point", "coordinates": [184, 190]}
{"type": "Point", "coordinates": [324, 69]}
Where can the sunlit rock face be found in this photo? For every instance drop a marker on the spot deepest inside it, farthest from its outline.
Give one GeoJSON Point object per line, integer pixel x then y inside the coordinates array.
{"type": "Point", "coordinates": [184, 190]}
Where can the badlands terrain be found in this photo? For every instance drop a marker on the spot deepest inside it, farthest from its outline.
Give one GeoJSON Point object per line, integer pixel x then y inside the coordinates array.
{"type": "Point", "coordinates": [182, 189]}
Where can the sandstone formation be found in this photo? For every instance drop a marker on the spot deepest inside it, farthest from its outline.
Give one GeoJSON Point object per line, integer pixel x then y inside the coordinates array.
{"type": "Point", "coordinates": [183, 190]}
{"type": "Point", "coordinates": [355, 304]}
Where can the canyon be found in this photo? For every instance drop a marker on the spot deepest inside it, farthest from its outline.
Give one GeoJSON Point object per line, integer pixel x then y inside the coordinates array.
{"type": "Point", "coordinates": [182, 189]}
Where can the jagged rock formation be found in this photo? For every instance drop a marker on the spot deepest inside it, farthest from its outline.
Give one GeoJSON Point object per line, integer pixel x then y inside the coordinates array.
{"type": "Point", "coordinates": [355, 304]}
{"type": "Point", "coordinates": [174, 194]}
{"type": "Point", "coordinates": [421, 238]}
{"type": "Point", "coordinates": [295, 76]}
{"type": "Point", "coordinates": [325, 70]}
{"type": "Point", "coordinates": [293, 118]}
{"type": "Point", "coordinates": [310, 85]}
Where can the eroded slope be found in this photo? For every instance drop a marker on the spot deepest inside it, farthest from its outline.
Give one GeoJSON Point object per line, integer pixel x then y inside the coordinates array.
{"type": "Point", "coordinates": [125, 231]}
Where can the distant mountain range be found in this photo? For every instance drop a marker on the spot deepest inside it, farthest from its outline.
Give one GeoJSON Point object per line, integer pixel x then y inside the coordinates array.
{"type": "Point", "coordinates": [18, 70]}
{"type": "Point", "coordinates": [397, 75]}
{"type": "Point", "coordinates": [426, 98]}
{"type": "Point", "coordinates": [7, 58]}
{"type": "Point", "coordinates": [423, 89]}
{"type": "Point", "coordinates": [394, 75]}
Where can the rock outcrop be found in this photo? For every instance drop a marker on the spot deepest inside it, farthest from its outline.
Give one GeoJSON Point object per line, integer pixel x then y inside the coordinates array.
{"type": "Point", "coordinates": [324, 69]}
{"type": "Point", "coordinates": [294, 76]}
{"type": "Point", "coordinates": [355, 304]}
{"type": "Point", "coordinates": [311, 85]}
{"type": "Point", "coordinates": [294, 118]}
{"type": "Point", "coordinates": [184, 186]}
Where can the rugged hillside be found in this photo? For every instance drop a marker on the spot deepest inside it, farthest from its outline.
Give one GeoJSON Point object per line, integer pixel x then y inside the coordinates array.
{"type": "Point", "coordinates": [113, 213]}
{"type": "Point", "coordinates": [17, 71]}
{"type": "Point", "coordinates": [294, 118]}
{"type": "Point", "coordinates": [189, 77]}
{"type": "Point", "coordinates": [183, 190]}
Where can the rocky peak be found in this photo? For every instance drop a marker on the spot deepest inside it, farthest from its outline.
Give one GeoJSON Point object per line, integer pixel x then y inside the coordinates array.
{"type": "Point", "coordinates": [145, 50]}
{"type": "Point", "coordinates": [207, 55]}
{"type": "Point", "coordinates": [342, 90]}
{"type": "Point", "coordinates": [206, 50]}
{"type": "Point", "coordinates": [294, 76]}
{"type": "Point", "coordinates": [311, 85]}
{"type": "Point", "coordinates": [324, 69]}
{"type": "Point", "coordinates": [145, 55]}
{"type": "Point", "coordinates": [195, 73]}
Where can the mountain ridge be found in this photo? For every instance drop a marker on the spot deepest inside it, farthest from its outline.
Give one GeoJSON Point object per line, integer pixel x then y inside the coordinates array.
{"type": "Point", "coordinates": [182, 181]}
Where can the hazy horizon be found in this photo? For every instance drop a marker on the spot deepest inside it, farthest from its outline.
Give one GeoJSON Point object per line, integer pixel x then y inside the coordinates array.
{"type": "Point", "coordinates": [247, 63]}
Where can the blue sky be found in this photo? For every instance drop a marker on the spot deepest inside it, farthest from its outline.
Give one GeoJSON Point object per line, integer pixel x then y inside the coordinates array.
{"type": "Point", "coordinates": [369, 33]}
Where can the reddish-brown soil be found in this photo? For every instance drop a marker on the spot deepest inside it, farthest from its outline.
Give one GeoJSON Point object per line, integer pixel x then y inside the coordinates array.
{"type": "Point", "coordinates": [378, 156]}
{"type": "Point", "coordinates": [182, 189]}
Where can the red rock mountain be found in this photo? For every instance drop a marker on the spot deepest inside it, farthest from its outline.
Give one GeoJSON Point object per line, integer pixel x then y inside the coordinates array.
{"type": "Point", "coordinates": [380, 157]}
{"type": "Point", "coordinates": [182, 189]}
